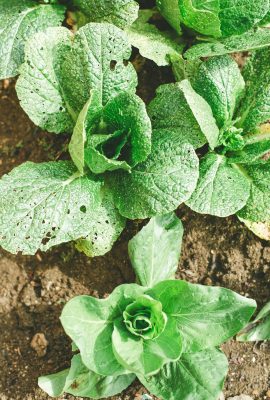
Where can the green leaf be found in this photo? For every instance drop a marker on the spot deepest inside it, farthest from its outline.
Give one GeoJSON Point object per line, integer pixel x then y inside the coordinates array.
{"type": "Point", "coordinates": [86, 119]}
{"type": "Point", "coordinates": [126, 139]}
{"type": "Point", "coordinates": [152, 43]}
{"type": "Point", "coordinates": [255, 108]}
{"type": "Point", "coordinates": [255, 151]}
{"type": "Point", "coordinates": [20, 19]}
{"type": "Point", "coordinates": [154, 252]}
{"type": "Point", "coordinates": [257, 208]}
{"type": "Point", "coordinates": [146, 356]}
{"type": "Point", "coordinates": [202, 16]}
{"type": "Point", "coordinates": [61, 69]}
{"type": "Point", "coordinates": [157, 186]}
{"type": "Point", "coordinates": [259, 329]}
{"type": "Point", "coordinates": [179, 109]}
{"type": "Point", "coordinates": [248, 41]}
{"type": "Point", "coordinates": [170, 11]}
{"type": "Point", "coordinates": [89, 323]}
{"type": "Point", "coordinates": [206, 316]}
{"type": "Point", "coordinates": [184, 69]}
{"type": "Point", "coordinates": [221, 84]}
{"type": "Point", "coordinates": [104, 229]}
{"type": "Point", "coordinates": [222, 189]}
{"type": "Point", "coordinates": [80, 381]}
{"type": "Point", "coordinates": [46, 204]}
{"type": "Point", "coordinates": [260, 229]}
{"type": "Point", "coordinates": [196, 376]}
{"type": "Point", "coordinates": [121, 13]}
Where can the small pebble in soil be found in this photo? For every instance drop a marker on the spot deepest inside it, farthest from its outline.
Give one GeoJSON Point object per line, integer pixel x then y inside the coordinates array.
{"type": "Point", "coordinates": [39, 343]}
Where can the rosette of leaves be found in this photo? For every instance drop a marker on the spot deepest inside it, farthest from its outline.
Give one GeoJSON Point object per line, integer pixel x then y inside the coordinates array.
{"type": "Point", "coordinates": [220, 26]}
{"type": "Point", "coordinates": [163, 331]}
{"type": "Point", "coordinates": [259, 329]}
{"type": "Point", "coordinates": [120, 168]}
{"type": "Point", "coordinates": [234, 166]}
{"type": "Point", "coordinates": [20, 19]}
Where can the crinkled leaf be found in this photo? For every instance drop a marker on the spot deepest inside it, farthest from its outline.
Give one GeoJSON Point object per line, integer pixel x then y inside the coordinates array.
{"type": "Point", "coordinates": [257, 208]}
{"type": "Point", "coordinates": [89, 323]}
{"type": "Point", "coordinates": [170, 11]}
{"type": "Point", "coordinates": [80, 381]}
{"type": "Point", "coordinates": [46, 204]}
{"type": "Point", "coordinates": [127, 135]}
{"type": "Point", "coordinates": [259, 329]}
{"type": "Point", "coordinates": [152, 43]}
{"type": "Point", "coordinates": [104, 230]}
{"type": "Point", "coordinates": [117, 12]}
{"type": "Point", "coordinates": [154, 252]}
{"type": "Point", "coordinates": [206, 316]}
{"type": "Point", "coordinates": [196, 376]}
{"type": "Point", "coordinates": [251, 40]}
{"type": "Point", "coordinates": [184, 69]}
{"type": "Point", "coordinates": [61, 69]}
{"type": "Point", "coordinates": [179, 109]}
{"type": "Point", "coordinates": [255, 108]}
{"type": "Point", "coordinates": [146, 356]}
{"type": "Point", "coordinates": [256, 150]}
{"type": "Point", "coordinates": [221, 84]}
{"type": "Point", "coordinates": [157, 186]}
{"type": "Point", "coordinates": [222, 189]}
{"type": "Point", "coordinates": [86, 119]}
{"type": "Point", "coordinates": [20, 19]}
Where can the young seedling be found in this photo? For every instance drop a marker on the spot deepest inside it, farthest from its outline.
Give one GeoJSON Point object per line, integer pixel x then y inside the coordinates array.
{"type": "Point", "coordinates": [163, 331]}
{"type": "Point", "coordinates": [228, 109]}
{"type": "Point", "coordinates": [259, 329]}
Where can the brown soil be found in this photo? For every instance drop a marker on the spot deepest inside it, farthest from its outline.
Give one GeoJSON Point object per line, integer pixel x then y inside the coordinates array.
{"type": "Point", "coordinates": [33, 289]}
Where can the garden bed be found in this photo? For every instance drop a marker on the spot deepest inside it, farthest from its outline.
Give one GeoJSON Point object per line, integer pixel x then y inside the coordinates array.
{"type": "Point", "coordinates": [215, 252]}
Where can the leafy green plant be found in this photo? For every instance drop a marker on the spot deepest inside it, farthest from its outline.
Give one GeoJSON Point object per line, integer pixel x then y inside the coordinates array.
{"type": "Point", "coordinates": [20, 19]}
{"type": "Point", "coordinates": [164, 331]}
{"type": "Point", "coordinates": [220, 26]}
{"type": "Point", "coordinates": [259, 329]}
{"type": "Point", "coordinates": [234, 168]}
{"type": "Point", "coordinates": [120, 169]}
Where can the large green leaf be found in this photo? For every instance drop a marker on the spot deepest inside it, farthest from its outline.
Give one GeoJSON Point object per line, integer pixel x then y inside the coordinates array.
{"type": "Point", "coordinates": [259, 329]}
{"type": "Point", "coordinates": [61, 69]}
{"type": "Point", "coordinates": [255, 151]}
{"type": "Point", "coordinates": [222, 189]}
{"type": "Point", "coordinates": [157, 186]}
{"type": "Point", "coordinates": [179, 109]}
{"type": "Point", "coordinates": [197, 376]}
{"type": "Point", "coordinates": [104, 230]}
{"type": "Point", "coordinates": [19, 20]}
{"type": "Point", "coordinates": [89, 323]}
{"type": "Point", "coordinates": [154, 252]}
{"type": "Point", "coordinates": [255, 108]}
{"type": "Point", "coordinates": [126, 139]}
{"type": "Point", "coordinates": [117, 12]}
{"type": "Point", "coordinates": [146, 356]}
{"type": "Point", "coordinates": [153, 43]}
{"type": "Point", "coordinates": [80, 381]}
{"type": "Point", "coordinates": [257, 208]}
{"type": "Point", "coordinates": [221, 84]}
{"type": "Point", "coordinates": [206, 316]}
{"type": "Point", "coordinates": [42, 205]}
{"type": "Point", "coordinates": [253, 39]}
{"type": "Point", "coordinates": [170, 11]}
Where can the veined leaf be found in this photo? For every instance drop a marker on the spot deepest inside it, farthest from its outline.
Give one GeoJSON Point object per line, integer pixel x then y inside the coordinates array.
{"type": "Point", "coordinates": [154, 252]}
{"type": "Point", "coordinates": [159, 184]}
{"type": "Point", "coordinates": [20, 19]}
{"type": "Point", "coordinates": [170, 11]}
{"type": "Point", "coordinates": [117, 12]}
{"type": "Point", "coordinates": [196, 376]}
{"type": "Point", "coordinates": [221, 84]}
{"type": "Point", "coordinates": [259, 329]}
{"type": "Point", "coordinates": [222, 189]}
{"type": "Point", "coordinates": [61, 69]}
{"type": "Point", "coordinates": [152, 43]}
{"type": "Point", "coordinates": [46, 204]}
{"type": "Point", "coordinates": [89, 323]}
{"type": "Point", "coordinates": [206, 316]}
{"type": "Point", "coordinates": [248, 41]}
{"type": "Point", "coordinates": [177, 108]}
{"type": "Point", "coordinates": [80, 381]}
{"type": "Point", "coordinates": [256, 150]}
